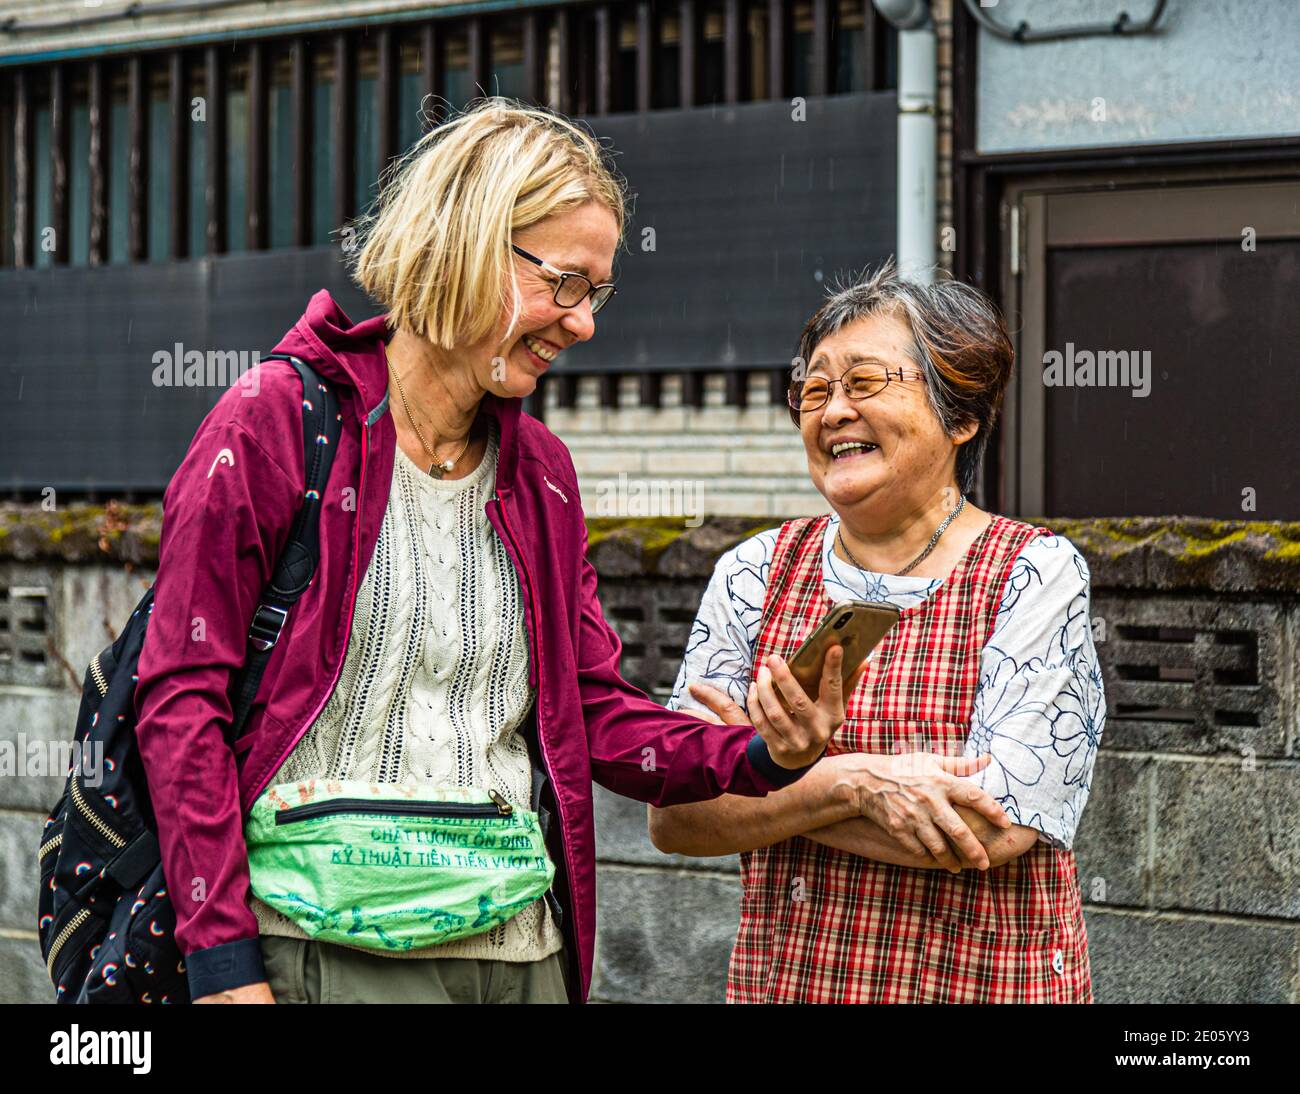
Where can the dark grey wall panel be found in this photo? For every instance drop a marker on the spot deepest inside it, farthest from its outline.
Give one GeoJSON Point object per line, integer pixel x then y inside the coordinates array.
{"type": "Point", "coordinates": [79, 409]}
{"type": "Point", "coordinates": [753, 213]}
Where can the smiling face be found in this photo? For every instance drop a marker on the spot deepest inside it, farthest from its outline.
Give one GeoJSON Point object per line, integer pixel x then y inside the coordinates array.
{"type": "Point", "coordinates": [907, 457]}
{"type": "Point", "coordinates": [579, 240]}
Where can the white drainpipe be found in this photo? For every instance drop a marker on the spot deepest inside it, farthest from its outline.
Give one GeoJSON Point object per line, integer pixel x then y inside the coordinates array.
{"type": "Point", "coordinates": [917, 139]}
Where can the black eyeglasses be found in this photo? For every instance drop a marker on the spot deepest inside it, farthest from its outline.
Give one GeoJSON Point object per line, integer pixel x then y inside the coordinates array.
{"type": "Point", "coordinates": [573, 288]}
{"type": "Point", "coordinates": [860, 382]}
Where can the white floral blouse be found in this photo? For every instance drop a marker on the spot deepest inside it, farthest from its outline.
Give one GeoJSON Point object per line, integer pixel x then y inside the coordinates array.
{"type": "Point", "coordinates": [1039, 708]}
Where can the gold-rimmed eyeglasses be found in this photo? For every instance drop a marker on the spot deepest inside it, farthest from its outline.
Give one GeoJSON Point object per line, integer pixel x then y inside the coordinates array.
{"type": "Point", "coordinates": [859, 382]}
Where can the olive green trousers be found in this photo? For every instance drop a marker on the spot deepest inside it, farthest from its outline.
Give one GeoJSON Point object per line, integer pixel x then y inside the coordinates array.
{"type": "Point", "coordinates": [303, 971]}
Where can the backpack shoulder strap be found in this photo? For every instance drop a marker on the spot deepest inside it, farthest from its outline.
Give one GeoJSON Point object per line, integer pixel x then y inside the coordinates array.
{"type": "Point", "coordinates": [321, 429]}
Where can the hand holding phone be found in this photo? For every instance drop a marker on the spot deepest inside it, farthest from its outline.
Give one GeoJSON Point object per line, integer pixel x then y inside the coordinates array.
{"type": "Point", "coordinates": [839, 645]}
{"type": "Point", "coordinates": [857, 626]}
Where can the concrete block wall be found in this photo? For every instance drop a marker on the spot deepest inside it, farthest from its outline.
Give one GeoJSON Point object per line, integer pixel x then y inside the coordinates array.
{"type": "Point", "coordinates": [1188, 853]}
{"type": "Point", "coordinates": [69, 613]}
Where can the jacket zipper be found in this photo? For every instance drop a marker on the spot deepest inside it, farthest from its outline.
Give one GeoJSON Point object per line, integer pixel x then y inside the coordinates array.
{"type": "Point", "coordinates": [498, 807]}
{"type": "Point", "coordinates": [347, 616]}
{"type": "Point", "coordinates": [535, 642]}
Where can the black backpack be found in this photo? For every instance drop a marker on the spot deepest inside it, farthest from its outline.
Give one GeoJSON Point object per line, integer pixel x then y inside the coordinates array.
{"type": "Point", "coordinates": [106, 925]}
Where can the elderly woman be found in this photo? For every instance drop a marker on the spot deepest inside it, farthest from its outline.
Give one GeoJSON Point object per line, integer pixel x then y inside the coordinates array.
{"type": "Point", "coordinates": [873, 879]}
{"type": "Point", "coordinates": [446, 689]}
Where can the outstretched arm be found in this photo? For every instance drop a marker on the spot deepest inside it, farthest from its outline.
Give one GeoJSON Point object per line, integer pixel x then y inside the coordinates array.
{"type": "Point", "coordinates": [731, 824]}
{"type": "Point", "coordinates": [912, 797]}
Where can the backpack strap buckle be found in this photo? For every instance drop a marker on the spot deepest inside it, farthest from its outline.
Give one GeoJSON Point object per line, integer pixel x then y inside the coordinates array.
{"type": "Point", "coordinates": [268, 622]}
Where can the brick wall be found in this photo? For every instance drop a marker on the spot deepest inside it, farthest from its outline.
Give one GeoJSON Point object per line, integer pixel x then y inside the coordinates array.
{"type": "Point", "coordinates": [735, 461]}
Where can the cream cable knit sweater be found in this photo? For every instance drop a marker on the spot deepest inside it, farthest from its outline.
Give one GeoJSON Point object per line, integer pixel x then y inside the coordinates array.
{"type": "Point", "coordinates": [435, 679]}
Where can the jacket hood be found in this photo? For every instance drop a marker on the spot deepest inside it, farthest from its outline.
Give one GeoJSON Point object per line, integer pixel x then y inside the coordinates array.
{"type": "Point", "coordinates": [351, 355]}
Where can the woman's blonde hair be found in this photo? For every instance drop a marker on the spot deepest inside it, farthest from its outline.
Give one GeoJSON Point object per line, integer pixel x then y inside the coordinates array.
{"type": "Point", "coordinates": [435, 247]}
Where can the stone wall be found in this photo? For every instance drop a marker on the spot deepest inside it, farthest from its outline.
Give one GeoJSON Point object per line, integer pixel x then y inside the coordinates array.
{"type": "Point", "coordinates": [1189, 851]}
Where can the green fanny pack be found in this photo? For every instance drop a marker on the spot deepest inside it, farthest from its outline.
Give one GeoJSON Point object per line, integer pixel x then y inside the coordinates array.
{"type": "Point", "coordinates": [390, 867]}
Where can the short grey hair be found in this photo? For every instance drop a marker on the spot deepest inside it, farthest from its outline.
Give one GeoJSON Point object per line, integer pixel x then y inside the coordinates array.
{"type": "Point", "coordinates": [959, 342]}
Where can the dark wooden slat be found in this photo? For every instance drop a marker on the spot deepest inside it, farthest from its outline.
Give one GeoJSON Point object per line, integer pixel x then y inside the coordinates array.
{"type": "Point", "coordinates": [778, 388]}
{"type": "Point", "coordinates": [535, 404]}
{"type": "Point", "coordinates": [820, 78]}
{"type": "Point", "coordinates": [693, 389]}
{"type": "Point", "coordinates": [344, 131]}
{"type": "Point", "coordinates": [215, 188]}
{"type": "Point", "coordinates": [59, 219]}
{"type": "Point", "coordinates": [584, 60]}
{"type": "Point", "coordinates": [733, 41]}
{"type": "Point", "coordinates": [432, 63]}
{"type": "Point", "coordinates": [566, 55]}
{"type": "Point", "coordinates": [301, 91]}
{"type": "Point", "coordinates": [609, 383]}
{"type": "Point", "coordinates": [872, 33]}
{"type": "Point", "coordinates": [137, 112]}
{"type": "Point", "coordinates": [534, 58]}
{"type": "Point", "coordinates": [97, 88]}
{"type": "Point", "coordinates": [645, 56]}
{"type": "Point", "coordinates": [688, 22]}
{"type": "Point", "coordinates": [652, 389]}
{"type": "Point", "coordinates": [24, 169]}
{"type": "Point", "coordinates": [386, 95]}
{"type": "Point", "coordinates": [778, 49]}
{"type": "Point", "coordinates": [606, 49]}
{"type": "Point", "coordinates": [737, 388]}
{"type": "Point", "coordinates": [258, 198]}
{"type": "Point", "coordinates": [477, 48]}
{"type": "Point", "coordinates": [567, 393]}
{"type": "Point", "coordinates": [179, 151]}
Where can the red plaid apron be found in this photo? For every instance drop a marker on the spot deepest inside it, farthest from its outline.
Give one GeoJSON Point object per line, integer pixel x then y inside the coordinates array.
{"type": "Point", "coordinates": [820, 925]}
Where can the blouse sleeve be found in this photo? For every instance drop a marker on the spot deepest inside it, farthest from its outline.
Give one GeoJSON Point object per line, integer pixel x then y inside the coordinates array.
{"type": "Point", "coordinates": [1040, 708]}
{"type": "Point", "coordinates": [720, 649]}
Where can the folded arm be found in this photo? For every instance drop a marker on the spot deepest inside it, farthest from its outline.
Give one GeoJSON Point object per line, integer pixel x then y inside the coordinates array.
{"type": "Point", "coordinates": [861, 836]}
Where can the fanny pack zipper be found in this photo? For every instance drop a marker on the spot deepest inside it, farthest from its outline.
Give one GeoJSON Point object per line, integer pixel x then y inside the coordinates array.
{"type": "Point", "coordinates": [498, 807]}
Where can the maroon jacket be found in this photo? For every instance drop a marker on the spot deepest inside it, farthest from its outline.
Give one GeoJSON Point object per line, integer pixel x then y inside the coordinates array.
{"type": "Point", "coordinates": [227, 516]}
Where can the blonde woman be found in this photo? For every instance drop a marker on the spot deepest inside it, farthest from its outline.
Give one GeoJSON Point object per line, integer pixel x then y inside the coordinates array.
{"type": "Point", "coordinates": [452, 636]}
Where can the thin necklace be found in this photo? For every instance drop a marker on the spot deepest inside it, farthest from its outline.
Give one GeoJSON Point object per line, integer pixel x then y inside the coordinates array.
{"type": "Point", "coordinates": [438, 468]}
{"type": "Point", "coordinates": [839, 535]}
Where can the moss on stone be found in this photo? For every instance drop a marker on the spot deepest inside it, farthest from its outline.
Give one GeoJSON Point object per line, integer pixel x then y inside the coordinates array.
{"type": "Point", "coordinates": [1186, 538]}
{"type": "Point", "coordinates": [78, 531]}
{"type": "Point", "coordinates": [654, 535]}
